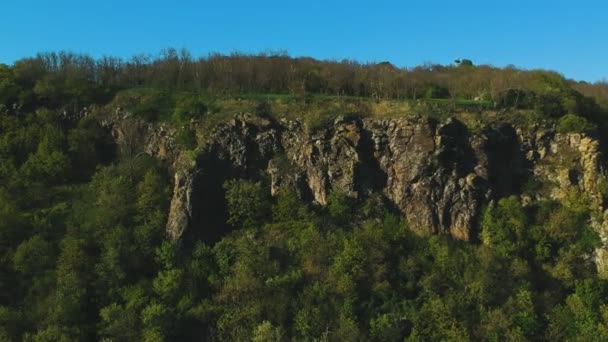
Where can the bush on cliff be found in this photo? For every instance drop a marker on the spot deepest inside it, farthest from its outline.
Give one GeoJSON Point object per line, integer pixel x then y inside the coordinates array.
{"type": "Point", "coordinates": [571, 123]}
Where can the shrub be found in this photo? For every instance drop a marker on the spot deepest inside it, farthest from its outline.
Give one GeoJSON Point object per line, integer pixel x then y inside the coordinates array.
{"type": "Point", "coordinates": [550, 105]}
{"type": "Point", "coordinates": [186, 137]}
{"type": "Point", "coordinates": [340, 207]}
{"type": "Point", "coordinates": [188, 107]}
{"type": "Point", "coordinates": [571, 123]}
{"type": "Point", "coordinates": [503, 226]}
{"type": "Point", "coordinates": [248, 203]}
{"type": "Point", "coordinates": [148, 104]}
{"type": "Point", "coordinates": [436, 92]}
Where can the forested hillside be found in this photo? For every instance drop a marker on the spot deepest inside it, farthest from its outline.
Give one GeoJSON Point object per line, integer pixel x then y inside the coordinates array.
{"type": "Point", "coordinates": [85, 247]}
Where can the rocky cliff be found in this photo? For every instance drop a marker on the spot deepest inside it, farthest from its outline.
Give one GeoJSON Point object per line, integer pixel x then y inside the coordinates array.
{"type": "Point", "coordinates": [439, 175]}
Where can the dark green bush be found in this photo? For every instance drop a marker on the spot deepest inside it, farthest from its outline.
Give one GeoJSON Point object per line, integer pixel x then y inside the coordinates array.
{"type": "Point", "coordinates": [248, 203]}
{"type": "Point", "coordinates": [187, 138]}
{"type": "Point", "coordinates": [571, 123]}
{"type": "Point", "coordinates": [149, 104]}
{"type": "Point", "coordinates": [340, 206]}
{"type": "Point", "coordinates": [550, 105]}
{"type": "Point", "coordinates": [188, 107]}
{"type": "Point", "coordinates": [436, 92]}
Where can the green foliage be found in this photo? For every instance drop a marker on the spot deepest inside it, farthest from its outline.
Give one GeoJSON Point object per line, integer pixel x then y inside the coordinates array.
{"type": "Point", "coordinates": [83, 250]}
{"type": "Point", "coordinates": [33, 256]}
{"type": "Point", "coordinates": [188, 106]}
{"type": "Point", "coordinates": [118, 323]}
{"type": "Point", "coordinates": [89, 146]}
{"type": "Point", "coordinates": [571, 123]}
{"type": "Point", "coordinates": [550, 105]}
{"type": "Point", "coordinates": [49, 164]}
{"type": "Point", "coordinates": [186, 137]}
{"type": "Point", "coordinates": [437, 92]}
{"type": "Point", "coordinates": [167, 284]}
{"type": "Point", "coordinates": [152, 195]}
{"type": "Point", "coordinates": [288, 207]}
{"type": "Point", "coordinates": [8, 88]}
{"type": "Point", "coordinates": [52, 333]}
{"type": "Point", "coordinates": [12, 222]}
{"type": "Point", "coordinates": [266, 332]}
{"type": "Point", "coordinates": [154, 316]}
{"type": "Point", "coordinates": [248, 203]}
{"type": "Point", "coordinates": [114, 196]}
{"type": "Point", "coordinates": [503, 226]}
{"type": "Point", "coordinates": [339, 206]}
{"type": "Point", "coordinates": [464, 62]}
{"type": "Point", "coordinates": [149, 104]}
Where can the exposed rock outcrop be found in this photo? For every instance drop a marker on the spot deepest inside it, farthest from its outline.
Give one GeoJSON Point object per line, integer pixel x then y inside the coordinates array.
{"type": "Point", "coordinates": [438, 174]}
{"type": "Point", "coordinates": [181, 209]}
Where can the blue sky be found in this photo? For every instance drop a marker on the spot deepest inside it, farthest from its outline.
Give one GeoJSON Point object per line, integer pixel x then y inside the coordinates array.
{"type": "Point", "coordinates": [567, 36]}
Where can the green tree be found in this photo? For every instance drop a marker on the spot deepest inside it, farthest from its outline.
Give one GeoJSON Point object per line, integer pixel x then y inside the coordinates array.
{"type": "Point", "coordinates": [288, 207]}
{"type": "Point", "coordinates": [52, 333]}
{"type": "Point", "coordinates": [340, 207]}
{"type": "Point", "coordinates": [267, 332]}
{"type": "Point", "coordinates": [248, 203]}
{"type": "Point", "coordinates": [571, 123]}
{"type": "Point", "coordinates": [8, 88]}
{"type": "Point", "coordinates": [504, 226]}
{"type": "Point", "coordinates": [118, 323]}
{"type": "Point", "coordinates": [33, 256]}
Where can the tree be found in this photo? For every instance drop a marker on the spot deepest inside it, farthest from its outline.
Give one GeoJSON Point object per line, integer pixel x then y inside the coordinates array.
{"type": "Point", "coordinates": [118, 323]}
{"type": "Point", "coordinates": [33, 256]}
{"type": "Point", "coordinates": [151, 205]}
{"type": "Point", "coordinates": [503, 227]}
{"type": "Point", "coordinates": [339, 207]}
{"type": "Point", "coordinates": [114, 198]}
{"type": "Point", "coordinates": [571, 123]}
{"type": "Point", "coordinates": [288, 207]}
{"type": "Point", "coordinates": [131, 144]}
{"type": "Point", "coordinates": [49, 164]}
{"type": "Point", "coordinates": [69, 304]}
{"type": "Point", "coordinates": [464, 62]}
{"type": "Point", "coordinates": [267, 332]}
{"type": "Point", "coordinates": [154, 318]}
{"type": "Point", "coordinates": [89, 145]}
{"type": "Point", "coordinates": [248, 204]}
{"type": "Point", "coordinates": [8, 88]}
{"type": "Point", "coordinates": [52, 333]}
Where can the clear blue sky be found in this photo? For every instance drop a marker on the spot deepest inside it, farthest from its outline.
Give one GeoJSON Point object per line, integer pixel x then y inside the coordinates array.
{"type": "Point", "coordinates": [567, 36]}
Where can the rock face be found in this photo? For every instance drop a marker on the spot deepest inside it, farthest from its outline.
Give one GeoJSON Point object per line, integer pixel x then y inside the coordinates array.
{"type": "Point", "coordinates": [429, 173]}
{"type": "Point", "coordinates": [568, 161]}
{"type": "Point", "coordinates": [181, 209]}
{"type": "Point", "coordinates": [427, 170]}
{"type": "Point", "coordinates": [438, 174]}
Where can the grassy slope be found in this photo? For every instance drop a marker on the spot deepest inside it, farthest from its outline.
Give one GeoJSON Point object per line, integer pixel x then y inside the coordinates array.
{"type": "Point", "coordinates": [315, 110]}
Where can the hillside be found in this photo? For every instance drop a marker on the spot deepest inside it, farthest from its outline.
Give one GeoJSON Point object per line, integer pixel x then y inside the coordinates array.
{"type": "Point", "coordinates": [269, 198]}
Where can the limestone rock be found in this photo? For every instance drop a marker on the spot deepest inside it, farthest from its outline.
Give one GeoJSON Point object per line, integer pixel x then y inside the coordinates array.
{"type": "Point", "coordinates": [180, 212]}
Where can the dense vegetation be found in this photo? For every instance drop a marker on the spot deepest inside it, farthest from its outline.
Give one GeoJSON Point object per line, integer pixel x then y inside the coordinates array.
{"type": "Point", "coordinates": [176, 79]}
{"type": "Point", "coordinates": [83, 254]}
